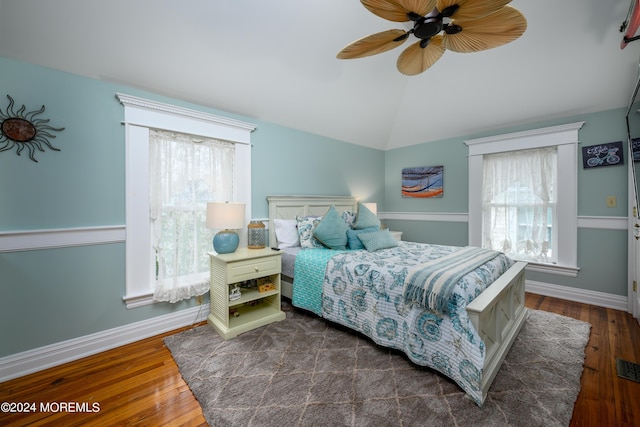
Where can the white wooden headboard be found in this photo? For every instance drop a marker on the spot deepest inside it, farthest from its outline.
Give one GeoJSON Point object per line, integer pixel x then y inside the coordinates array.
{"type": "Point", "coordinates": [288, 207]}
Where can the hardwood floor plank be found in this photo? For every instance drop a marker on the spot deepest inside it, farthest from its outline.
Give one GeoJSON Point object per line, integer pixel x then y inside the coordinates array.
{"type": "Point", "coordinates": [139, 384]}
{"type": "Point", "coordinates": [605, 399]}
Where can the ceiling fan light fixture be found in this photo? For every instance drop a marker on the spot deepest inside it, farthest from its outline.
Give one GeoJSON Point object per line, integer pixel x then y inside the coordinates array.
{"type": "Point", "coordinates": [440, 25]}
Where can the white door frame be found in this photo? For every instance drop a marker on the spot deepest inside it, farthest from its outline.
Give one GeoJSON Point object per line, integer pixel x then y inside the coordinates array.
{"type": "Point", "coordinates": [634, 243]}
{"type": "Point", "coordinates": [633, 232]}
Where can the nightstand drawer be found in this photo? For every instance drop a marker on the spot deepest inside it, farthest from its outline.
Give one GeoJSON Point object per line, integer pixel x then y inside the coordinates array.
{"type": "Point", "coordinates": [253, 268]}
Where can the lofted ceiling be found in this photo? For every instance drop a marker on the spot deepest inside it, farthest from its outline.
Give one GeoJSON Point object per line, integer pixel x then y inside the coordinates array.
{"type": "Point", "coordinates": [275, 61]}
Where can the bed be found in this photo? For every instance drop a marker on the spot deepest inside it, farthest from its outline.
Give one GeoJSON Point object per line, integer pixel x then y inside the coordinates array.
{"type": "Point", "coordinates": [466, 336]}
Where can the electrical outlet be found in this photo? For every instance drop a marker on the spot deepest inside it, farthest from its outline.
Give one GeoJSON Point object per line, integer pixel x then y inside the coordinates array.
{"type": "Point", "coordinates": [199, 299]}
{"type": "Point", "coordinates": [612, 202]}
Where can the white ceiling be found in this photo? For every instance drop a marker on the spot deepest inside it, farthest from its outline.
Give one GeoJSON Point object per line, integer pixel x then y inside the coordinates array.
{"type": "Point", "coordinates": [275, 61]}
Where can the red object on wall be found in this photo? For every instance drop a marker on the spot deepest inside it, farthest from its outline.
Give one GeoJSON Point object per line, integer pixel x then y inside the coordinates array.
{"type": "Point", "coordinates": [633, 23]}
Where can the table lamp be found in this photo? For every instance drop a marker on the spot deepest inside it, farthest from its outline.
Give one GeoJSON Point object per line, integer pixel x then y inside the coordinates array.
{"type": "Point", "coordinates": [373, 207]}
{"type": "Point", "coordinates": [225, 216]}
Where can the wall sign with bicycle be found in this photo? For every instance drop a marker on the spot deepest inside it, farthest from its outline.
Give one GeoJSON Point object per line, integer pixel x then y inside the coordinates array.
{"type": "Point", "coordinates": [609, 154]}
{"type": "Point", "coordinates": [635, 147]}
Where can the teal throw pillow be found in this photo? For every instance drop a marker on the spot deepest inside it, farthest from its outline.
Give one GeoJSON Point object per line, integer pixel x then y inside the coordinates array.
{"type": "Point", "coordinates": [366, 218]}
{"type": "Point", "coordinates": [378, 240]}
{"type": "Point", "coordinates": [332, 230]}
{"type": "Point", "coordinates": [353, 242]}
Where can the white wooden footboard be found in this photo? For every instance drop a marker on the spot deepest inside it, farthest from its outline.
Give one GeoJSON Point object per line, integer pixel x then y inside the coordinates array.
{"type": "Point", "coordinates": [498, 314]}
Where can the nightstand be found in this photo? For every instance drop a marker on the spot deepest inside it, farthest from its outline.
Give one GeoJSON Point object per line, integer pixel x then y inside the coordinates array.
{"type": "Point", "coordinates": [254, 308]}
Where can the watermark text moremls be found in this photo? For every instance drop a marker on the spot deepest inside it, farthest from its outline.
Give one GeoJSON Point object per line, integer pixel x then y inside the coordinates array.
{"type": "Point", "coordinates": [54, 407]}
{"type": "Point", "coordinates": [69, 407]}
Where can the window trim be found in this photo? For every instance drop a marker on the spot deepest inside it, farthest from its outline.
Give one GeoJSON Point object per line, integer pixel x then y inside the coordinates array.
{"type": "Point", "coordinates": [139, 116]}
{"type": "Point", "coordinates": [565, 137]}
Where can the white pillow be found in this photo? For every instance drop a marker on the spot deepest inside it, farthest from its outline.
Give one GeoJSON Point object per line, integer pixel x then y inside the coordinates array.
{"type": "Point", "coordinates": [286, 233]}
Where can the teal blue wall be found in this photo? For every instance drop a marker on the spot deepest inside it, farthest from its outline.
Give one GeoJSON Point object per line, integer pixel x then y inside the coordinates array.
{"type": "Point", "coordinates": [288, 161]}
{"type": "Point", "coordinates": [602, 254]}
{"type": "Point", "coordinates": [59, 294]}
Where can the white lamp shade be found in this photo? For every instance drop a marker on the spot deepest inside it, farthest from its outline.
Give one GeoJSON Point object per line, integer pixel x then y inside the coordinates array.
{"type": "Point", "coordinates": [225, 215]}
{"type": "Point", "coordinates": [373, 207]}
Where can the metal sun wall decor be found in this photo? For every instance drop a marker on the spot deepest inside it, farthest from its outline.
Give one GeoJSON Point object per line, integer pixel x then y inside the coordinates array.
{"type": "Point", "coordinates": [422, 182]}
{"type": "Point", "coordinates": [21, 130]}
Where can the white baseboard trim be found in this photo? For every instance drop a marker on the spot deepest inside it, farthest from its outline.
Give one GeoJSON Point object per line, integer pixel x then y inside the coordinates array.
{"type": "Point", "coordinates": [600, 299]}
{"type": "Point", "coordinates": [30, 361]}
{"type": "Point", "coordinates": [38, 359]}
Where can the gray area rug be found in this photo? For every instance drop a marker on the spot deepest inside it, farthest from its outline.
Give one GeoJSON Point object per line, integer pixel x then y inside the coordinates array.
{"type": "Point", "coordinates": [308, 372]}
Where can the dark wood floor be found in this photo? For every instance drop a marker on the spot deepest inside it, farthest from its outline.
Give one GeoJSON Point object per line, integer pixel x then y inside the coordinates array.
{"type": "Point", "coordinates": [139, 384]}
{"type": "Point", "coordinates": [605, 399]}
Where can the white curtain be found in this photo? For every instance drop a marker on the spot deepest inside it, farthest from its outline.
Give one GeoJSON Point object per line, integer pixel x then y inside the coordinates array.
{"type": "Point", "coordinates": [185, 173]}
{"type": "Point", "coordinates": [519, 203]}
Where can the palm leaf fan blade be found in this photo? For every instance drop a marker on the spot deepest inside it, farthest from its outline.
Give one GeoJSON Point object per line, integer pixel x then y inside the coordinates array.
{"type": "Point", "coordinates": [497, 29]}
{"type": "Point", "coordinates": [415, 60]}
{"type": "Point", "coordinates": [386, 9]}
{"type": "Point", "coordinates": [396, 11]}
{"type": "Point", "coordinates": [373, 44]}
{"type": "Point", "coordinates": [419, 7]}
{"type": "Point", "coordinates": [472, 9]}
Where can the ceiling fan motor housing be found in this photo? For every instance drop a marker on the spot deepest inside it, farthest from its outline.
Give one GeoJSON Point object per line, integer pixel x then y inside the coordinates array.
{"type": "Point", "coordinates": [427, 27]}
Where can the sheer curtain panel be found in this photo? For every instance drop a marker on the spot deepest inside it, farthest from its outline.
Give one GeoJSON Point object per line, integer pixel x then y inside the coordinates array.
{"type": "Point", "coordinates": [186, 172]}
{"type": "Point", "coordinates": [519, 204]}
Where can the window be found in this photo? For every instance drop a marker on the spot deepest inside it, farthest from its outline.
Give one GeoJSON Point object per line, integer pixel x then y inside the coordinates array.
{"type": "Point", "coordinates": [141, 118]}
{"type": "Point", "coordinates": [521, 202]}
{"type": "Point", "coordinates": [186, 172]}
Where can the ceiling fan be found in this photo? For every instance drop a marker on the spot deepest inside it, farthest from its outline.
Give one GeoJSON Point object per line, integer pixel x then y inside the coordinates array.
{"type": "Point", "coordinates": [439, 25]}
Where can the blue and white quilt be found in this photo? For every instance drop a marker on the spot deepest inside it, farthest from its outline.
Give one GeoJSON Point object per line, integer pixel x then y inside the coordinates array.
{"type": "Point", "coordinates": [309, 268]}
{"type": "Point", "coordinates": [365, 292]}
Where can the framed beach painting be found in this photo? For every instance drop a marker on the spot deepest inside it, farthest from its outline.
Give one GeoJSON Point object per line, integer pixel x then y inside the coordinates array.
{"type": "Point", "coordinates": [422, 181]}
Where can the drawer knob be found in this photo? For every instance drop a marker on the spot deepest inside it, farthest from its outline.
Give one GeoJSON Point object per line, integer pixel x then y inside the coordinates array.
{"type": "Point", "coordinates": [257, 269]}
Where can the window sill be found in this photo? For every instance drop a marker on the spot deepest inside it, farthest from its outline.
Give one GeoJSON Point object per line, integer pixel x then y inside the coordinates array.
{"type": "Point", "coordinates": [138, 300]}
{"type": "Point", "coordinates": [560, 270]}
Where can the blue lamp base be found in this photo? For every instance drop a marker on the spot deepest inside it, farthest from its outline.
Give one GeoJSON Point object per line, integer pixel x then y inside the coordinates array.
{"type": "Point", "coordinates": [225, 241]}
